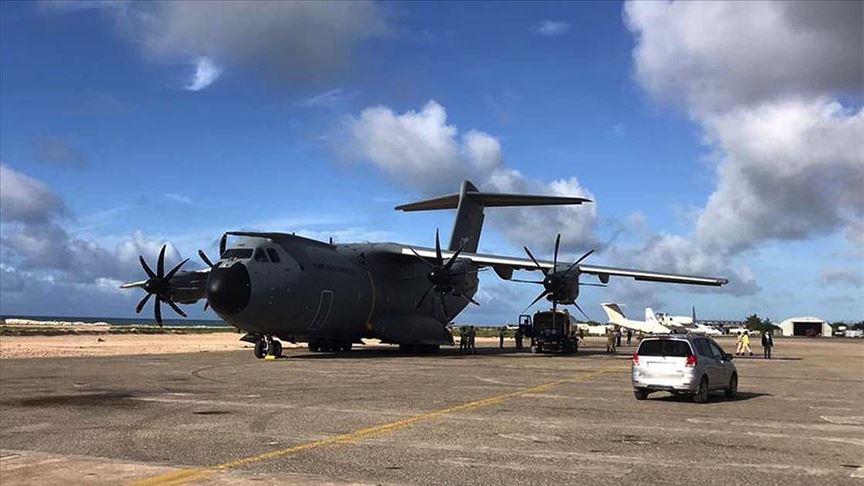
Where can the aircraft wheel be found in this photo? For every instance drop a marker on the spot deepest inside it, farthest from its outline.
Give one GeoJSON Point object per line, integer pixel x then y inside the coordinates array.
{"type": "Point", "coordinates": [314, 346]}
{"type": "Point", "coordinates": [345, 347]}
{"type": "Point", "coordinates": [277, 349]}
{"type": "Point", "coordinates": [260, 348]}
{"type": "Point", "coordinates": [640, 394]}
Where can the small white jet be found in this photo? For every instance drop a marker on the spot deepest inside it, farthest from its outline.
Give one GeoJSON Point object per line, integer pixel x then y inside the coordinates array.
{"type": "Point", "coordinates": [649, 325]}
{"type": "Point", "coordinates": [687, 324]}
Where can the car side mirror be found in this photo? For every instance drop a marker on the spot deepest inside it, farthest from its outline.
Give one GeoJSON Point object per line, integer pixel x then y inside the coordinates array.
{"type": "Point", "coordinates": [727, 357]}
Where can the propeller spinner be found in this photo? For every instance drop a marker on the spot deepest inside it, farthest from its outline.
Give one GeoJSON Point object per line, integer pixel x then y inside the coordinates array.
{"type": "Point", "coordinates": [441, 275]}
{"type": "Point", "coordinates": [158, 284]}
{"type": "Point", "coordinates": [555, 284]}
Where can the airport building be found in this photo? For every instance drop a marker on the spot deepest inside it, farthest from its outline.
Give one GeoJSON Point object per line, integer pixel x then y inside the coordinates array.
{"type": "Point", "coordinates": [805, 326]}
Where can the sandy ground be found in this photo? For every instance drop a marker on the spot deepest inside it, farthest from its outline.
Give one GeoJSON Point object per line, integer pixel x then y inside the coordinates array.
{"type": "Point", "coordinates": [14, 347]}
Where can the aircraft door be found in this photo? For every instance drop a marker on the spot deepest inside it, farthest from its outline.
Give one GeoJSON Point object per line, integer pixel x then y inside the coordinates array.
{"type": "Point", "coordinates": [325, 304]}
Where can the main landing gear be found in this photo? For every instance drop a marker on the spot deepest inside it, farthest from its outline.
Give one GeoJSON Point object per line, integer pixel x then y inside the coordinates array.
{"type": "Point", "coordinates": [328, 346]}
{"type": "Point", "coordinates": [266, 345]}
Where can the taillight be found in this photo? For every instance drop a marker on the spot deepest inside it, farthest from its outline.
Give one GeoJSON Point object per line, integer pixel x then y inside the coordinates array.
{"type": "Point", "coordinates": [691, 360]}
{"type": "Point", "coordinates": [635, 358]}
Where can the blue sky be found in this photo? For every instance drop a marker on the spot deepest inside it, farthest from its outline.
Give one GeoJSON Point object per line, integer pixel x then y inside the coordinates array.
{"type": "Point", "coordinates": [297, 118]}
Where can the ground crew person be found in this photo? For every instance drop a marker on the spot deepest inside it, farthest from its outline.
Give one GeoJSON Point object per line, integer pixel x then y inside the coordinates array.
{"type": "Point", "coordinates": [629, 336]}
{"type": "Point", "coordinates": [610, 341]}
{"type": "Point", "coordinates": [767, 344]}
{"type": "Point", "coordinates": [501, 338]}
{"type": "Point", "coordinates": [472, 334]}
{"type": "Point", "coordinates": [463, 342]}
{"type": "Point", "coordinates": [518, 337]}
{"type": "Point", "coordinates": [617, 336]}
{"type": "Point", "coordinates": [745, 343]}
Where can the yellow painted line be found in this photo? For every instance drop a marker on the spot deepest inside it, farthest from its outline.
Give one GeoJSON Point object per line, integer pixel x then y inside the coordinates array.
{"type": "Point", "coordinates": [187, 475]}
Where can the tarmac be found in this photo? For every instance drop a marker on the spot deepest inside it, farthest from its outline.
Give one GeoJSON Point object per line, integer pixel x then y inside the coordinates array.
{"type": "Point", "coordinates": [375, 416]}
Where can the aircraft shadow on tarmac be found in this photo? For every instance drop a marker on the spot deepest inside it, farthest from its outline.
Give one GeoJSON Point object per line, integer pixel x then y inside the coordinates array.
{"type": "Point", "coordinates": [394, 352]}
{"type": "Point", "coordinates": [715, 397]}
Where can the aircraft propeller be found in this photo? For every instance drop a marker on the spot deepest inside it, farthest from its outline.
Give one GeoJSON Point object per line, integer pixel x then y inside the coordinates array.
{"type": "Point", "coordinates": [223, 242]}
{"type": "Point", "coordinates": [441, 275]}
{"type": "Point", "coordinates": [555, 283]}
{"type": "Point", "coordinates": [158, 284]}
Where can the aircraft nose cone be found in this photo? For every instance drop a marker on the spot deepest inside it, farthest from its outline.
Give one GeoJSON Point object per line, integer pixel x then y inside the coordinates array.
{"type": "Point", "coordinates": [229, 289]}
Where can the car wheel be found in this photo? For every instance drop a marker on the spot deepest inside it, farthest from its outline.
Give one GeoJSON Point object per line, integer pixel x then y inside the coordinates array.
{"type": "Point", "coordinates": [732, 390]}
{"type": "Point", "coordinates": [640, 394]}
{"type": "Point", "coordinates": [701, 395]}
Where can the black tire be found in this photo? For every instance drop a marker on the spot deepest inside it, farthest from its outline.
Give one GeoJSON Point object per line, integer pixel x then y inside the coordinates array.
{"type": "Point", "coordinates": [260, 349]}
{"type": "Point", "coordinates": [732, 390]}
{"type": "Point", "coordinates": [640, 394]}
{"type": "Point", "coordinates": [345, 347]}
{"type": "Point", "coordinates": [277, 349]}
{"type": "Point", "coordinates": [314, 347]}
{"type": "Point", "coordinates": [701, 395]}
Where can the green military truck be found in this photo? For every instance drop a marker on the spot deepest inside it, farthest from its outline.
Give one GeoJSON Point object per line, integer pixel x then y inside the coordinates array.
{"type": "Point", "coordinates": [551, 331]}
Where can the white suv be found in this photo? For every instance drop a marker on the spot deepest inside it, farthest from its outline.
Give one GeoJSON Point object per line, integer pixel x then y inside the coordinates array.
{"type": "Point", "coordinates": [687, 364]}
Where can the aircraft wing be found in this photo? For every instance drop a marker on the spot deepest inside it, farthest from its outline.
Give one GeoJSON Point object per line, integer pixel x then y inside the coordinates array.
{"type": "Point", "coordinates": [504, 266]}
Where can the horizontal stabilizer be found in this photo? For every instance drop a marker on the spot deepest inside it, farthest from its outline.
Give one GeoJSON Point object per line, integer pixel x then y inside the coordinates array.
{"type": "Point", "coordinates": [490, 200]}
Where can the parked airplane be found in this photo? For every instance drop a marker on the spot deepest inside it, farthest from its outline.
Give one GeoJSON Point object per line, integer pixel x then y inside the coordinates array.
{"type": "Point", "coordinates": [649, 325]}
{"type": "Point", "coordinates": [660, 323]}
{"type": "Point", "coordinates": [688, 324]}
{"type": "Point", "coordinates": [281, 286]}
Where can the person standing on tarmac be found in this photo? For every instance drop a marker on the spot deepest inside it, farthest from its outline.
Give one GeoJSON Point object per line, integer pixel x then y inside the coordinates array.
{"type": "Point", "coordinates": [767, 344]}
{"type": "Point", "coordinates": [463, 343]}
{"type": "Point", "coordinates": [518, 337]}
{"type": "Point", "coordinates": [472, 334]}
{"type": "Point", "coordinates": [610, 341]}
{"type": "Point", "coordinates": [745, 343]}
{"type": "Point", "coordinates": [501, 338]}
{"type": "Point", "coordinates": [629, 336]}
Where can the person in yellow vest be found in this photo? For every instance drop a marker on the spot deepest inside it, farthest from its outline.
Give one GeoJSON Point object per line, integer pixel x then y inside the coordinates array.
{"type": "Point", "coordinates": [745, 343]}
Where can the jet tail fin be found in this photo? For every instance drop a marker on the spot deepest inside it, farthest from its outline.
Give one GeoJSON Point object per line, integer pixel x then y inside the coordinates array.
{"type": "Point", "coordinates": [650, 316]}
{"type": "Point", "coordinates": [469, 203]}
{"type": "Point", "coordinates": [614, 312]}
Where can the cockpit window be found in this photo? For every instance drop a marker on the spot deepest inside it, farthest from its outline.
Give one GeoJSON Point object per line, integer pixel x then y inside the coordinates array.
{"type": "Point", "coordinates": [274, 257]}
{"type": "Point", "coordinates": [239, 253]}
{"type": "Point", "coordinates": [260, 256]}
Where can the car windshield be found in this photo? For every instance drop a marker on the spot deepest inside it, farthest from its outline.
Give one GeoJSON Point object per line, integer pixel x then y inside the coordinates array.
{"type": "Point", "coordinates": [664, 347]}
{"type": "Point", "coordinates": [240, 253]}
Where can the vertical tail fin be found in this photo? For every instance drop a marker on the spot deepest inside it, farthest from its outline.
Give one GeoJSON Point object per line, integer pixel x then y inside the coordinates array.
{"type": "Point", "coordinates": [614, 312]}
{"type": "Point", "coordinates": [469, 204]}
{"type": "Point", "coordinates": [650, 317]}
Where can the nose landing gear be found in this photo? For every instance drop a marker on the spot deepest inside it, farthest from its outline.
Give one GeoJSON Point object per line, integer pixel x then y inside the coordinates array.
{"type": "Point", "coordinates": [266, 345]}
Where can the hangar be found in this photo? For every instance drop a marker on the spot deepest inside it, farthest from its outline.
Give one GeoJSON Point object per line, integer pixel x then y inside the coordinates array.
{"type": "Point", "coordinates": [805, 326]}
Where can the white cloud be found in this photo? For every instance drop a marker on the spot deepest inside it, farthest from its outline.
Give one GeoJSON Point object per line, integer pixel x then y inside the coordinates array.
{"type": "Point", "coordinates": [715, 56]}
{"type": "Point", "coordinates": [206, 73]}
{"type": "Point", "coordinates": [286, 40]}
{"type": "Point", "coordinates": [24, 199]}
{"type": "Point", "coordinates": [764, 80]}
{"type": "Point", "coordinates": [421, 151]}
{"type": "Point", "coordinates": [552, 28]}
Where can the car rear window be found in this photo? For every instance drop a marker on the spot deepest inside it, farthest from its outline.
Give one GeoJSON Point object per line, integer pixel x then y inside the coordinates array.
{"type": "Point", "coordinates": [664, 347]}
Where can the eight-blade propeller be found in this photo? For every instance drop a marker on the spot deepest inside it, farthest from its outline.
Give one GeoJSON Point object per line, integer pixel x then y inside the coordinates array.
{"type": "Point", "coordinates": [441, 275]}
{"type": "Point", "coordinates": [555, 283]}
{"type": "Point", "coordinates": [158, 284]}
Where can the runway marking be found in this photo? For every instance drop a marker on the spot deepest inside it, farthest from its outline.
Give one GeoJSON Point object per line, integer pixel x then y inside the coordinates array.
{"type": "Point", "coordinates": [844, 420]}
{"type": "Point", "coordinates": [187, 475]}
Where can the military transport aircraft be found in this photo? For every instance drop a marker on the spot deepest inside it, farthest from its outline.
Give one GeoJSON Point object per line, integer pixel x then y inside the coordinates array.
{"type": "Point", "coordinates": [280, 286]}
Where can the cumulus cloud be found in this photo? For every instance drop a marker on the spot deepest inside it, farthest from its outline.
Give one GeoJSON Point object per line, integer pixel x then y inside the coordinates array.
{"type": "Point", "coordinates": [206, 73]}
{"type": "Point", "coordinates": [35, 241]}
{"type": "Point", "coordinates": [58, 151]}
{"type": "Point", "coordinates": [551, 28]}
{"type": "Point", "coordinates": [24, 199]}
{"type": "Point", "coordinates": [293, 41]}
{"type": "Point", "coordinates": [714, 56]}
{"type": "Point", "coordinates": [421, 151]}
{"type": "Point", "coordinates": [764, 80]}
